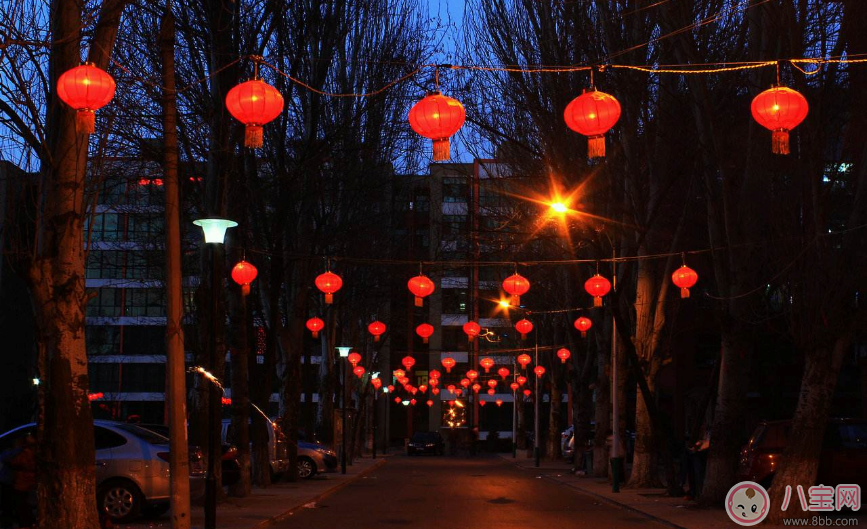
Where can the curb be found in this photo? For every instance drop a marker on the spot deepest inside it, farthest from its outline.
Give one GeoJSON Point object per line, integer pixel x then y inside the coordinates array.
{"type": "Point", "coordinates": [604, 499]}
{"type": "Point", "coordinates": [292, 510]}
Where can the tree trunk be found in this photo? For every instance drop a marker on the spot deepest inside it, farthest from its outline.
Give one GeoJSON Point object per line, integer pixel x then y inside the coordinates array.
{"type": "Point", "coordinates": [602, 412]}
{"type": "Point", "coordinates": [553, 450]}
{"type": "Point", "coordinates": [522, 420]}
{"type": "Point", "coordinates": [645, 459]}
{"type": "Point", "coordinates": [240, 352]}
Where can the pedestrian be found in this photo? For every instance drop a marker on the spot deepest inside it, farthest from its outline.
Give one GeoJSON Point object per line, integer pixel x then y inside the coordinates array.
{"type": "Point", "coordinates": [24, 482]}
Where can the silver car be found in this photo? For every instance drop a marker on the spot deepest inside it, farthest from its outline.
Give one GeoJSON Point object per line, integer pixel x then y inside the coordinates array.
{"type": "Point", "coordinates": [132, 468]}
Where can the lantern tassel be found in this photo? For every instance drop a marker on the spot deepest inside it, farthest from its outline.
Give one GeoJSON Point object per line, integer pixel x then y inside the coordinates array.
{"type": "Point", "coordinates": [316, 334]}
{"type": "Point", "coordinates": [597, 301]}
{"type": "Point", "coordinates": [253, 136]}
{"type": "Point", "coordinates": [245, 289]}
{"type": "Point", "coordinates": [424, 340]}
{"type": "Point", "coordinates": [442, 150]}
{"type": "Point", "coordinates": [684, 293]}
{"type": "Point", "coordinates": [85, 121]}
{"type": "Point", "coordinates": [516, 301]}
{"type": "Point", "coordinates": [583, 334]}
{"type": "Point", "coordinates": [523, 336]}
{"type": "Point", "coordinates": [418, 302]}
{"type": "Point", "coordinates": [596, 147]}
{"type": "Point", "coordinates": [780, 141]}
{"type": "Point", "coordinates": [329, 299]}
{"type": "Point", "coordinates": [376, 338]}
{"type": "Point", "coordinates": [470, 338]}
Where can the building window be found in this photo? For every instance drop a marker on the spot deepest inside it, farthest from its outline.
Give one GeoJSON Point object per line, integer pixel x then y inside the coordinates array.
{"type": "Point", "coordinates": [144, 340]}
{"type": "Point", "coordinates": [103, 227]}
{"type": "Point", "coordinates": [454, 301]}
{"type": "Point", "coordinates": [454, 189]}
{"type": "Point", "coordinates": [145, 302]}
{"type": "Point", "coordinates": [106, 303]}
{"type": "Point", "coordinates": [454, 224]}
{"type": "Point", "coordinates": [104, 265]}
{"type": "Point", "coordinates": [102, 340]}
{"type": "Point", "coordinates": [144, 228]}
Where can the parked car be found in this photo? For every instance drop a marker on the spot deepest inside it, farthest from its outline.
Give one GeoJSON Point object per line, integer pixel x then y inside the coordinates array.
{"type": "Point", "coordinates": [425, 443]}
{"type": "Point", "coordinates": [843, 458]}
{"type": "Point", "coordinates": [567, 442]}
{"type": "Point", "coordinates": [132, 468]}
{"type": "Point", "coordinates": [313, 458]}
{"type": "Point", "coordinates": [230, 467]}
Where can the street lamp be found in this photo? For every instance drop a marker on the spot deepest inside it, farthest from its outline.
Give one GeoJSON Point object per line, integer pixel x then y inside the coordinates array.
{"type": "Point", "coordinates": [344, 354]}
{"type": "Point", "coordinates": [214, 231]}
{"type": "Point", "coordinates": [559, 207]}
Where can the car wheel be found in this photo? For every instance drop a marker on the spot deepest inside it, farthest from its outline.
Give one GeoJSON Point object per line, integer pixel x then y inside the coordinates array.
{"type": "Point", "coordinates": [121, 499]}
{"type": "Point", "coordinates": [155, 510]}
{"type": "Point", "coordinates": [306, 468]}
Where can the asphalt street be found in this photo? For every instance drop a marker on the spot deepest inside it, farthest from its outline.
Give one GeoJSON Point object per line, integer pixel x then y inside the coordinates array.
{"type": "Point", "coordinates": [438, 492]}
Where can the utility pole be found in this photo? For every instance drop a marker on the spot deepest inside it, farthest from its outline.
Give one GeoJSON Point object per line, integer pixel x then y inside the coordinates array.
{"type": "Point", "coordinates": [616, 456]}
{"type": "Point", "coordinates": [536, 453]}
{"type": "Point", "coordinates": [176, 393]}
{"type": "Point", "coordinates": [514, 412]}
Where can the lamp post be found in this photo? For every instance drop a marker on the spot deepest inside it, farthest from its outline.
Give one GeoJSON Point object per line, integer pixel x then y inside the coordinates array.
{"type": "Point", "coordinates": [214, 231]}
{"type": "Point", "coordinates": [514, 413]}
{"type": "Point", "coordinates": [344, 354]}
{"type": "Point", "coordinates": [536, 453]}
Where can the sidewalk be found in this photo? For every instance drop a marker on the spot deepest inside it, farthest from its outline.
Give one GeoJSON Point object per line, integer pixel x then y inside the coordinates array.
{"type": "Point", "coordinates": [266, 507]}
{"type": "Point", "coordinates": [652, 503]}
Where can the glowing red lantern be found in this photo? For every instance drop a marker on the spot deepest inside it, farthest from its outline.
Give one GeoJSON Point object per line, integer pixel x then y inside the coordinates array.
{"type": "Point", "coordinates": [404, 381]}
{"type": "Point", "coordinates": [583, 324]}
{"type": "Point", "coordinates": [472, 374]}
{"type": "Point", "coordinates": [597, 286]}
{"type": "Point", "coordinates": [412, 390]}
{"type": "Point", "coordinates": [358, 370]}
{"type": "Point", "coordinates": [429, 403]}
{"type": "Point", "coordinates": [451, 388]}
{"type": "Point", "coordinates": [315, 325]}
{"type": "Point", "coordinates": [779, 109]}
{"type": "Point", "coordinates": [435, 391]}
{"type": "Point", "coordinates": [514, 386]}
{"type": "Point", "coordinates": [492, 383]}
{"type": "Point", "coordinates": [434, 382]}
{"type": "Point", "coordinates": [482, 402]}
{"type": "Point", "coordinates": [459, 392]}
{"type": "Point", "coordinates": [592, 114]}
{"type": "Point", "coordinates": [539, 370]}
{"type": "Point", "coordinates": [329, 283]}
{"type": "Point", "coordinates": [448, 363]}
{"type": "Point", "coordinates": [492, 391]}
{"type": "Point", "coordinates": [408, 362]}
{"type": "Point", "coordinates": [390, 388]}
{"type": "Point", "coordinates": [685, 278]}
{"type": "Point", "coordinates": [472, 329]}
{"type": "Point", "coordinates": [524, 327]}
{"type": "Point", "coordinates": [434, 374]}
{"type": "Point", "coordinates": [425, 330]}
{"type": "Point", "coordinates": [254, 103]}
{"type": "Point", "coordinates": [477, 387]}
{"type": "Point", "coordinates": [422, 388]}
{"type": "Point", "coordinates": [354, 358]}
{"type": "Point", "coordinates": [398, 374]}
{"type": "Point", "coordinates": [524, 360]}
{"type": "Point", "coordinates": [527, 392]}
{"type": "Point", "coordinates": [465, 382]}
{"type": "Point", "coordinates": [438, 117]}
{"type": "Point", "coordinates": [487, 363]}
{"type": "Point", "coordinates": [397, 400]}
{"type": "Point", "coordinates": [503, 372]}
{"type": "Point", "coordinates": [516, 285]}
{"type": "Point", "coordinates": [244, 273]}
{"type": "Point", "coordinates": [521, 380]}
{"type": "Point", "coordinates": [412, 402]}
{"type": "Point", "coordinates": [377, 383]}
{"type": "Point", "coordinates": [86, 89]}
{"type": "Point", "coordinates": [377, 328]}
{"type": "Point", "coordinates": [499, 402]}
{"type": "Point", "coordinates": [421, 286]}
{"type": "Point", "coordinates": [563, 354]}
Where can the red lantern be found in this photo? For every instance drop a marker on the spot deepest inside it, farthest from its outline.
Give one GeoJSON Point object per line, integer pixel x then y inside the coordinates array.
{"type": "Point", "coordinates": [397, 400]}
{"type": "Point", "coordinates": [329, 283]}
{"type": "Point", "coordinates": [524, 360]}
{"type": "Point", "coordinates": [390, 388]}
{"type": "Point", "coordinates": [597, 286]}
{"type": "Point", "coordinates": [514, 386]}
{"type": "Point", "coordinates": [539, 370]}
{"type": "Point", "coordinates": [429, 403]}
{"type": "Point", "coordinates": [779, 109]}
{"type": "Point", "coordinates": [354, 358]}
{"type": "Point", "coordinates": [438, 117]}
{"type": "Point", "coordinates": [583, 324]}
{"type": "Point", "coordinates": [527, 392]}
{"type": "Point", "coordinates": [398, 374]}
{"type": "Point", "coordinates": [472, 329]}
{"type": "Point", "coordinates": [499, 402]}
{"type": "Point", "coordinates": [434, 382]}
{"type": "Point", "coordinates": [358, 370]}
{"type": "Point", "coordinates": [451, 388]}
{"type": "Point", "coordinates": [254, 103]}
{"type": "Point", "coordinates": [472, 374]}
{"type": "Point", "coordinates": [521, 380]}
{"type": "Point", "coordinates": [563, 354]}
{"type": "Point", "coordinates": [421, 286]}
{"type": "Point", "coordinates": [482, 402]}
{"type": "Point", "coordinates": [592, 114]}
{"type": "Point", "coordinates": [377, 329]}
{"type": "Point", "coordinates": [492, 391]}
{"type": "Point", "coordinates": [492, 383]}
{"type": "Point", "coordinates": [244, 273]}
{"type": "Point", "coordinates": [408, 362]}
{"type": "Point", "coordinates": [516, 285]}
{"type": "Point", "coordinates": [487, 363]}
{"type": "Point", "coordinates": [465, 382]}
{"type": "Point", "coordinates": [524, 327]}
{"type": "Point", "coordinates": [315, 325]}
{"type": "Point", "coordinates": [477, 387]}
{"type": "Point", "coordinates": [434, 374]}
{"type": "Point", "coordinates": [435, 391]}
{"type": "Point", "coordinates": [412, 390]}
{"type": "Point", "coordinates": [377, 383]}
{"type": "Point", "coordinates": [86, 89]}
{"type": "Point", "coordinates": [404, 381]}
{"type": "Point", "coordinates": [422, 388]}
{"type": "Point", "coordinates": [413, 402]}
{"type": "Point", "coordinates": [685, 278]}
{"type": "Point", "coordinates": [425, 330]}
{"type": "Point", "coordinates": [503, 372]}
{"type": "Point", "coordinates": [448, 363]}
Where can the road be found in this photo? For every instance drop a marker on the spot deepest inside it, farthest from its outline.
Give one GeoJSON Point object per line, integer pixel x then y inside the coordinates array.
{"type": "Point", "coordinates": [438, 492]}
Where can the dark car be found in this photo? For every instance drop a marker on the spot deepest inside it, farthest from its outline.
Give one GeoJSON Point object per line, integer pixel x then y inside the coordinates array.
{"type": "Point", "coordinates": [843, 459]}
{"type": "Point", "coordinates": [425, 443]}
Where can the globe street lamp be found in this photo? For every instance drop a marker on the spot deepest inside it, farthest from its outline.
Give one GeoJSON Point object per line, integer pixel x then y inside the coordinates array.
{"type": "Point", "coordinates": [214, 231]}
{"type": "Point", "coordinates": [344, 354]}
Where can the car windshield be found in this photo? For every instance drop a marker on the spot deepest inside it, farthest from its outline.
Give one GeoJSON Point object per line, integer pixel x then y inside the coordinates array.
{"type": "Point", "coordinates": [424, 437]}
{"type": "Point", "coordinates": [142, 433]}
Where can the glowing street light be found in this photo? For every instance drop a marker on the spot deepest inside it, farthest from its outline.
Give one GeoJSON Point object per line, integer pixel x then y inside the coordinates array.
{"type": "Point", "coordinates": [214, 229]}
{"type": "Point", "coordinates": [559, 207]}
{"type": "Point", "coordinates": [344, 351]}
